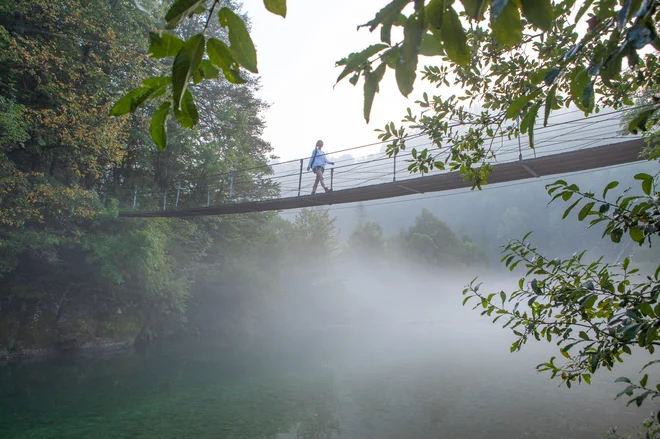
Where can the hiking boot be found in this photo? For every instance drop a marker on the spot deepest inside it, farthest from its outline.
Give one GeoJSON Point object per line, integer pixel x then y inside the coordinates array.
{"type": "Point", "coordinates": [327, 190]}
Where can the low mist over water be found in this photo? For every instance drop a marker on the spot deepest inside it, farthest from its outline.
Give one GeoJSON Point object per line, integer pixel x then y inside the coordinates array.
{"type": "Point", "coordinates": [410, 362]}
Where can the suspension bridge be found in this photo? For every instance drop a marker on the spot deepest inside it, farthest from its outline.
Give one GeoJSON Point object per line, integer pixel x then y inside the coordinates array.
{"type": "Point", "coordinates": [560, 148]}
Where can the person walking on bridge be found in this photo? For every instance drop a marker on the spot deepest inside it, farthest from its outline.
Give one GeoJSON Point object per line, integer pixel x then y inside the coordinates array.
{"type": "Point", "coordinates": [317, 164]}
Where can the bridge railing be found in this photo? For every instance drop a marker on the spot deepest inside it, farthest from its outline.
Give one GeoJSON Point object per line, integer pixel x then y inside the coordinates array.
{"type": "Point", "coordinates": [291, 178]}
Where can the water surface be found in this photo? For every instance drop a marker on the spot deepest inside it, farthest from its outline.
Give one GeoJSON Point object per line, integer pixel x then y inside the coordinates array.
{"type": "Point", "coordinates": [411, 380]}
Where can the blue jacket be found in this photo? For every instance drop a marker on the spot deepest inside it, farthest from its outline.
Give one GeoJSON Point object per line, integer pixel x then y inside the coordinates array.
{"type": "Point", "coordinates": [318, 159]}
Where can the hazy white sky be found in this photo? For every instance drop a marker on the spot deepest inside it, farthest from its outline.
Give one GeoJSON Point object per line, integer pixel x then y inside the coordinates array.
{"type": "Point", "coordinates": [296, 59]}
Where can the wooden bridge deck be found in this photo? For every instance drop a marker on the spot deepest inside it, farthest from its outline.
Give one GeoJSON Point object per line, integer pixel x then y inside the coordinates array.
{"type": "Point", "coordinates": [584, 159]}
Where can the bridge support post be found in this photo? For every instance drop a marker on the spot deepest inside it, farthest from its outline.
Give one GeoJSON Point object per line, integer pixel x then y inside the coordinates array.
{"type": "Point", "coordinates": [135, 198]}
{"type": "Point", "coordinates": [231, 184]}
{"type": "Point", "coordinates": [165, 200]}
{"type": "Point", "coordinates": [300, 177]}
{"type": "Point", "coordinates": [208, 197]}
{"type": "Point", "coordinates": [332, 176]}
{"type": "Point", "coordinates": [178, 191]}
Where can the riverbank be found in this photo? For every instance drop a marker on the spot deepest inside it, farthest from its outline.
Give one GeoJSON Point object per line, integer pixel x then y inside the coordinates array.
{"type": "Point", "coordinates": [96, 348]}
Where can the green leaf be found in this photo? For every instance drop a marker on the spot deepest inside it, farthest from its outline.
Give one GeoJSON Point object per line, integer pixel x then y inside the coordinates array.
{"type": "Point", "coordinates": [198, 76]}
{"type": "Point", "coordinates": [636, 235]}
{"type": "Point", "coordinates": [387, 16]}
{"type": "Point", "coordinates": [188, 115]}
{"type": "Point", "coordinates": [159, 125]}
{"type": "Point", "coordinates": [612, 67]}
{"type": "Point", "coordinates": [585, 211]}
{"type": "Point", "coordinates": [583, 335]}
{"type": "Point", "coordinates": [180, 10]}
{"type": "Point", "coordinates": [392, 57]}
{"type": "Point", "coordinates": [185, 64]}
{"type": "Point", "coordinates": [507, 27]}
{"type": "Point", "coordinates": [430, 46]}
{"type": "Point", "coordinates": [610, 185]}
{"type": "Point", "coordinates": [570, 208]}
{"type": "Point", "coordinates": [454, 38]}
{"type": "Point", "coordinates": [434, 13]}
{"type": "Point", "coordinates": [583, 9]}
{"type": "Point", "coordinates": [531, 121]}
{"type": "Point", "coordinates": [647, 182]}
{"type": "Point", "coordinates": [579, 80]}
{"type": "Point", "coordinates": [240, 43]}
{"type": "Point", "coordinates": [371, 88]}
{"type": "Point", "coordinates": [588, 99]}
{"type": "Point", "coordinates": [622, 380]}
{"type": "Point", "coordinates": [518, 104]}
{"type": "Point", "coordinates": [537, 76]}
{"type": "Point", "coordinates": [587, 378]}
{"type": "Point", "coordinates": [209, 71]}
{"type": "Point", "coordinates": [549, 104]}
{"type": "Point", "coordinates": [539, 13]}
{"type": "Point", "coordinates": [640, 121]}
{"type": "Point", "coordinates": [221, 57]}
{"type": "Point", "coordinates": [650, 363]}
{"type": "Point", "coordinates": [589, 302]}
{"type": "Point", "coordinates": [277, 7]}
{"type": "Point", "coordinates": [355, 60]}
{"type": "Point", "coordinates": [640, 399]}
{"type": "Point", "coordinates": [157, 82]}
{"type": "Point", "coordinates": [164, 46]}
{"type": "Point", "coordinates": [535, 287]}
{"type": "Point", "coordinates": [550, 77]}
{"type": "Point", "coordinates": [644, 380]}
{"type": "Point", "coordinates": [646, 309]}
{"type": "Point", "coordinates": [132, 101]}
{"type": "Point", "coordinates": [475, 8]}
{"type": "Point", "coordinates": [407, 66]}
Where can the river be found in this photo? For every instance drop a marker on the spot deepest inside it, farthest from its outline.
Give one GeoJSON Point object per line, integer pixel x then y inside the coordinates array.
{"type": "Point", "coordinates": [406, 380]}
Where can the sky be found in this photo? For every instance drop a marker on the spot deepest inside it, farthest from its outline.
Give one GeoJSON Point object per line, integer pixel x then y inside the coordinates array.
{"type": "Point", "coordinates": [296, 59]}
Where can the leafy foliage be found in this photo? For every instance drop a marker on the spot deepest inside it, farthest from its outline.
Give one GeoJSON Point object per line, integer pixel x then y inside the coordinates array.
{"type": "Point", "coordinates": [512, 59]}
{"type": "Point", "coordinates": [71, 271]}
{"type": "Point", "coordinates": [638, 216]}
{"type": "Point", "coordinates": [367, 237]}
{"type": "Point", "coordinates": [644, 119]}
{"type": "Point", "coordinates": [432, 241]}
{"type": "Point", "coordinates": [195, 60]}
{"type": "Point", "coordinates": [596, 312]}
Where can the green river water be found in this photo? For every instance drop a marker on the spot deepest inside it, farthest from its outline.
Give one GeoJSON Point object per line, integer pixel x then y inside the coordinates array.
{"type": "Point", "coordinates": [399, 382]}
